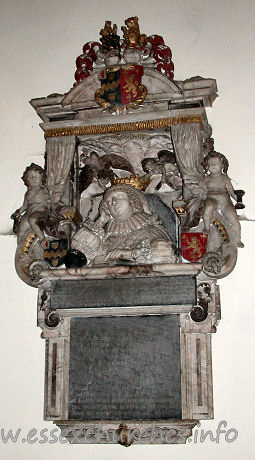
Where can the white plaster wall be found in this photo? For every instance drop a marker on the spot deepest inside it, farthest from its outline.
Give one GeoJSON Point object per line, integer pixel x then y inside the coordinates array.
{"type": "Point", "coordinates": [40, 42]}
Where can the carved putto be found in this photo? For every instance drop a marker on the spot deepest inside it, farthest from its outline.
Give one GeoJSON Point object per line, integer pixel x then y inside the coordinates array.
{"type": "Point", "coordinates": [210, 199]}
{"type": "Point", "coordinates": [42, 227]}
{"type": "Point", "coordinates": [219, 190]}
{"type": "Point", "coordinates": [210, 232]}
{"type": "Point", "coordinates": [35, 205]}
{"type": "Point", "coordinates": [101, 168]}
{"type": "Point", "coordinates": [163, 173]}
{"type": "Point", "coordinates": [168, 181]}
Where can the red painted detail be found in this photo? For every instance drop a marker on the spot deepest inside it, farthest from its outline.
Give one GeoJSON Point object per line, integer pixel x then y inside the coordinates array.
{"type": "Point", "coordinates": [130, 80]}
{"type": "Point", "coordinates": [193, 245]}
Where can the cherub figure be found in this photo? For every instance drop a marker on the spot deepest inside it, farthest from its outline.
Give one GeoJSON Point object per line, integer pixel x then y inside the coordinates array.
{"type": "Point", "coordinates": [96, 175]}
{"type": "Point", "coordinates": [151, 166]}
{"type": "Point", "coordinates": [154, 172]}
{"type": "Point", "coordinates": [162, 170]}
{"type": "Point", "coordinates": [212, 194]}
{"type": "Point", "coordinates": [219, 189]}
{"type": "Point", "coordinates": [170, 170]}
{"type": "Point", "coordinates": [36, 202]}
{"type": "Point", "coordinates": [94, 164]}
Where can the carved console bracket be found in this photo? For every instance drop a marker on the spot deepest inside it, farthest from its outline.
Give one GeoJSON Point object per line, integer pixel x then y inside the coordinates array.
{"type": "Point", "coordinates": [50, 317]}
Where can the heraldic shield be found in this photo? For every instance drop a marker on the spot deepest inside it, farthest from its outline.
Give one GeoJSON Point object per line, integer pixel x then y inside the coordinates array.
{"type": "Point", "coordinates": [55, 252]}
{"type": "Point", "coordinates": [193, 245]}
{"type": "Point", "coordinates": [121, 87]}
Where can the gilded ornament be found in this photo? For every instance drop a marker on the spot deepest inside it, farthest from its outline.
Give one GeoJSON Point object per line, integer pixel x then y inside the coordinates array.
{"type": "Point", "coordinates": [136, 181]}
{"type": "Point", "coordinates": [221, 229]}
{"type": "Point", "coordinates": [26, 246]}
{"type": "Point", "coordinates": [180, 210]}
{"type": "Point", "coordinates": [121, 127]}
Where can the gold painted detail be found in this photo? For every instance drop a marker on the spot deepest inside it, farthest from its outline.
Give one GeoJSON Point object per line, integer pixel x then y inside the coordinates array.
{"type": "Point", "coordinates": [221, 229]}
{"type": "Point", "coordinates": [194, 245]}
{"type": "Point", "coordinates": [180, 210]}
{"type": "Point", "coordinates": [53, 254]}
{"type": "Point", "coordinates": [140, 99]}
{"type": "Point", "coordinates": [55, 261]}
{"type": "Point", "coordinates": [30, 239]}
{"type": "Point", "coordinates": [70, 215]}
{"type": "Point", "coordinates": [136, 181]}
{"type": "Point", "coordinates": [132, 34]}
{"type": "Point", "coordinates": [100, 100]}
{"type": "Point", "coordinates": [120, 127]}
{"type": "Point", "coordinates": [103, 103]}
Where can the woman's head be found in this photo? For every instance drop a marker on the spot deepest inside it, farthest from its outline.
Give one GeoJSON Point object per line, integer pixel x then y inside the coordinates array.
{"type": "Point", "coordinates": [122, 201]}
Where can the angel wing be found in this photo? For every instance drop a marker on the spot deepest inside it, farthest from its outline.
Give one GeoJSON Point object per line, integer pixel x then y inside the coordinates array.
{"type": "Point", "coordinates": [85, 178]}
{"type": "Point", "coordinates": [195, 188]}
{"type": "Point", "coordinates": [116, 162]}
{"type": "Point", "coordinates": [195, 204]}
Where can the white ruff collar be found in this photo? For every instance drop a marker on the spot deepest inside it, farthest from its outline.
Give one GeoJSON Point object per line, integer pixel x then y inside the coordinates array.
{"type": "Point", "coordinates": [130, 225]}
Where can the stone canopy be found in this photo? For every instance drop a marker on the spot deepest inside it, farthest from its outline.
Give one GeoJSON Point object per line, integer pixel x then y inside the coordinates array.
{"type": "Point", "coordinates": [163, 94]}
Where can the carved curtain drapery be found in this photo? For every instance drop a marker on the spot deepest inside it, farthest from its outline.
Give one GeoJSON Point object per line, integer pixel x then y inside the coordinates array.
{"type": "Point", "coordinates": [187, 142]}
{"type": "Point", "coordinates": [60, 153]}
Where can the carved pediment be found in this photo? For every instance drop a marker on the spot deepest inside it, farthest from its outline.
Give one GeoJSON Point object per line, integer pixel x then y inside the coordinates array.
{"type": "Point", "coordinates": [83, 94]}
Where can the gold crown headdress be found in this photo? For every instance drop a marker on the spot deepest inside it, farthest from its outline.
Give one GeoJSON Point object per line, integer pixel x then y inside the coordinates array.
{"type": "Point", "coordinates": [136, 181]}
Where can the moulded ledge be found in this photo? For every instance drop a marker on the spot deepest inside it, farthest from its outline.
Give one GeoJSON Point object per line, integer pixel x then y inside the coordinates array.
{"type": "Point", "coordinates": [127, 432]}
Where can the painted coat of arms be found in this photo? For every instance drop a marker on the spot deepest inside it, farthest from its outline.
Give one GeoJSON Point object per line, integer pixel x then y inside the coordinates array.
{"type": "Point", "coordinates": [121, 87]}
{"type": "Point", "coordinates": [193, 245]}
{"type": "Point", "coordinates": [55, 252]}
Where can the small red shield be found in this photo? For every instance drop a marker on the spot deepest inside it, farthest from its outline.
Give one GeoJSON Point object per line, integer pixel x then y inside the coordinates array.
{"type": "Point", "coordinates": [193, 245]}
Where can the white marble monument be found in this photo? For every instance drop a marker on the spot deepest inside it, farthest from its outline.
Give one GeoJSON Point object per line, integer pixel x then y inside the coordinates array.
{"type": "Point", "coordinates": [125, 232]}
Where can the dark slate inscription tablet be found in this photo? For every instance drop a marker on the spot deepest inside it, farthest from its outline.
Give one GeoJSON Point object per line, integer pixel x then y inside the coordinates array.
{"type": "Point", "coordinates": [125, 368]}
{"type": "Point", "coordinates": [164, 290]}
